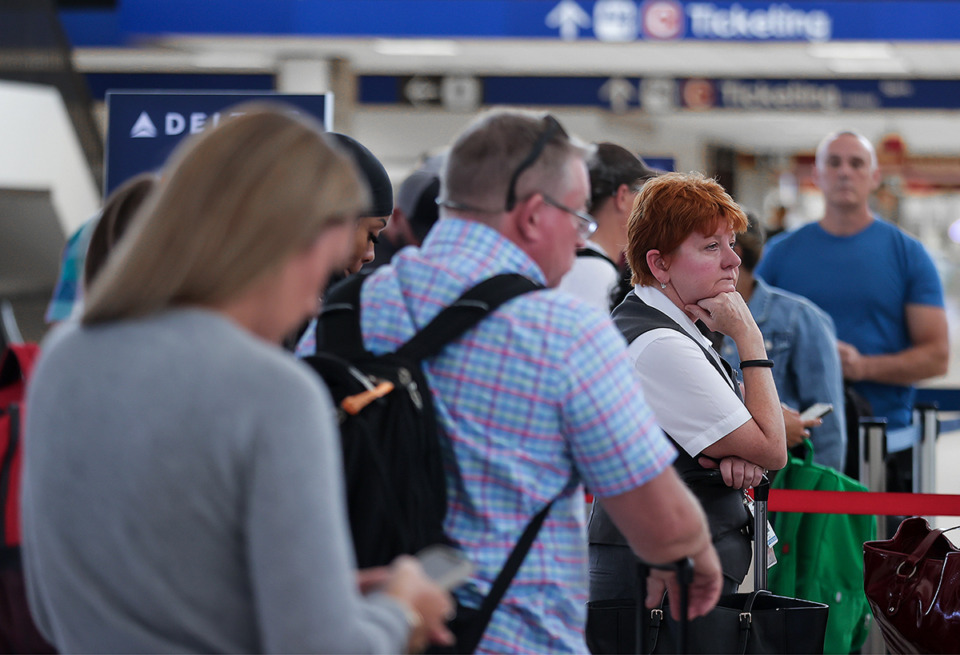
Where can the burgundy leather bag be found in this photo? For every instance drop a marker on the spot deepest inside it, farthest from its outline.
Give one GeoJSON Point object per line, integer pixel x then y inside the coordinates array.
{"type": "Point", "coordinates": [912, 583]}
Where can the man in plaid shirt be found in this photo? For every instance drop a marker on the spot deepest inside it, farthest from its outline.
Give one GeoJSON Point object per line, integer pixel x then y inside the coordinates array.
{"type": "Point", "coordinates": [539, 399]}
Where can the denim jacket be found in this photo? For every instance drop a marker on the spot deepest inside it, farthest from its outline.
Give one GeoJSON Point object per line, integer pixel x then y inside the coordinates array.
{"type": "Point", "coordinates": [801, 340]}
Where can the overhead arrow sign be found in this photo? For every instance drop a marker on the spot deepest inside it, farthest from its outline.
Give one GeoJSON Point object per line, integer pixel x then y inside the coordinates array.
{"type": "Point", "coordinates": [570, 18]}
{"type": "Point", "coordinates": [422, 90]}
{"type": "Point", "coordinates": [619, 93]}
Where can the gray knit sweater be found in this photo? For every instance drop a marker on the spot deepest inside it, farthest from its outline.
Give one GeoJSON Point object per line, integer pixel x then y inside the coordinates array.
{"type": "Point", "coordinates": [183, 493]}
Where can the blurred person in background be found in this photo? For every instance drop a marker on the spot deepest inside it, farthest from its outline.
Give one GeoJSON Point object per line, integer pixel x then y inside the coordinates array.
{"type": "Point", "coordinates": [415, 213]}
{"type": "Point", "coordinates": [681, 249]}
{"type": "Point", "coordinates": [880, 287]}
{"type": "Point", "coordinates": [616, 176]}
{"type": "Point", "coordinates": [777, 222]}
{"type": "Point", "coordinates": [373, 219]}
{"type": "Point", "coordinates": [801, 341]}
{"type": "Point", "coordinates": [182, 488]}
{"type": "Point", "coordinates": [75, 272]}
{"type": "Point", "coordinates": [118, 212]}
{"type": "Point", "coordinates": [370, 223]}
{"type": "Point", "coordinates": [67, 299]}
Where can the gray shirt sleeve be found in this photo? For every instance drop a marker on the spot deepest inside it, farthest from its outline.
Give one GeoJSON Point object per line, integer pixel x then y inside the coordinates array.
{"type": "Point", "coordinates": [301, 562]}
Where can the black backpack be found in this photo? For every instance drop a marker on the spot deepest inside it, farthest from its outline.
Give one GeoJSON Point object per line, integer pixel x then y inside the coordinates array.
{"type": "Point", "coordinates": [396, 490]}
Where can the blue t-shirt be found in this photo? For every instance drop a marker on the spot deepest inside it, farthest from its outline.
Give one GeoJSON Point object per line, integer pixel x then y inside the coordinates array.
{"type": "Point", "coordinates": [863, 282]}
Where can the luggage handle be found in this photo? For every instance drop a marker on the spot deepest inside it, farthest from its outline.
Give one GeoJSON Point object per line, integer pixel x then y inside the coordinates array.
{"type": "Point", "coordinates": [761, 494]}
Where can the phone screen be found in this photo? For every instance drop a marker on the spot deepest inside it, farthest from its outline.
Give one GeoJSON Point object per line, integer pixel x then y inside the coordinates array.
{"type": "Point", "coordinates": [446, 566]}
{"type": "Point", "coordinates": [816, 411]}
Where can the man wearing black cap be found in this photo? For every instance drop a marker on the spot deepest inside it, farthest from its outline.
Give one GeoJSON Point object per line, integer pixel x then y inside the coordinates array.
{"type": "Point", "coordinates": [616, 176]}
{"type": "Point", "coordinates": [415, 213]}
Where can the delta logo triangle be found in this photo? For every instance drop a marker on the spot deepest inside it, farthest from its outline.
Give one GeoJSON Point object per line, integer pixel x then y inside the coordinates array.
{"type": "Point", "coordinates": [143, 128]}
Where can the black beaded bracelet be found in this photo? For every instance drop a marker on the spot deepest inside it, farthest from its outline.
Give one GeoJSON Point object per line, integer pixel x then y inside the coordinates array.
{"type": "Point", "coordinates": [759, 363]}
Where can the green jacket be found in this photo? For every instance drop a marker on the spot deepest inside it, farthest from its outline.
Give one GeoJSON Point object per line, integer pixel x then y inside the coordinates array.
{"type": "Point", "coordinates": [820, 556]}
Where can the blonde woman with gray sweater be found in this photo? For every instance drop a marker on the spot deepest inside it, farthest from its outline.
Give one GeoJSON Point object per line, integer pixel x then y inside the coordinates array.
{"type": "Point", "coordinates": [182, 488]}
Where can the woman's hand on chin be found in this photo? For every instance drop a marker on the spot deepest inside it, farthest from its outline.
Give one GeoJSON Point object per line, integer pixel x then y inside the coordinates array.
{"type": "Point", "coordinates": [725, 312]}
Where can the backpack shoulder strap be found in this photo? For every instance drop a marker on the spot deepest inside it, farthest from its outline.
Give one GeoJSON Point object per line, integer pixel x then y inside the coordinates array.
{"type": "Point", "coordinates": [468, 310]}
{"type": "Point", "coordinates": [471, 640]}
{"type": "Point", "coordinates": [590, 252]}
{"type": "Point", "coordinates": [339, 322]}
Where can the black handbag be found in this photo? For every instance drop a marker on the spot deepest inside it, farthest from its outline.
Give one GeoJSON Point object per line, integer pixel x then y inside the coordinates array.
{"type": "Point", "coordinates": [756, 622]}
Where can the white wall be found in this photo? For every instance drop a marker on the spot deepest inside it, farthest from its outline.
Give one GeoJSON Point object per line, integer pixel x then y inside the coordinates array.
{"type": "Point", "coordinates": [399, 135]}
{"type": "Point", "coordinates": [39, 150]}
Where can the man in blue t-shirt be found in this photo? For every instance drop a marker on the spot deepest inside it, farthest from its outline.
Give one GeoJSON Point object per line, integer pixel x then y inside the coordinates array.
{"type": "Point", "coordinates": [877, 283]}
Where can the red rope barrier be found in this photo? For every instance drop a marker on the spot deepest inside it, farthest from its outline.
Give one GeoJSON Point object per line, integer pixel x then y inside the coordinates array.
{"type": "Point", "coordinates": [862, 502]}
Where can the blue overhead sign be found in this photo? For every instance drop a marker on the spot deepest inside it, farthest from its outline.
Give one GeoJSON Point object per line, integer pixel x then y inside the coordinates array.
{"type": "Point", "coordinates": [817, 95]}
{"type": "Point", "coordinates": [663, 94]}
{"type": "Point", "coordinates": [143, 128]}
{"type": "Point", "coordinates": [603, 20]}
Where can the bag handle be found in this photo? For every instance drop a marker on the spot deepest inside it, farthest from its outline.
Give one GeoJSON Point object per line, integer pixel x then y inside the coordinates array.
{"type": "Point", "coordinates": [746, 619]}
{"type": "Point", "coordinates": [920, 552]}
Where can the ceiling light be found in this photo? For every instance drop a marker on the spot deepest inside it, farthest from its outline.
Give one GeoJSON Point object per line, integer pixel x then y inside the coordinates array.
{"type": "Point", "coordinates": [851, 50]}
{"type": "Point", "coordinates": [231, 59]}
{"type": "Point", "coordinates": [416, 47]}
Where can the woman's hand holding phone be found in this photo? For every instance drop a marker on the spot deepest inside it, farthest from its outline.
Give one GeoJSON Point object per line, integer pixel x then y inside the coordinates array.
{"type": "Point", "coordinates": [428, 606]}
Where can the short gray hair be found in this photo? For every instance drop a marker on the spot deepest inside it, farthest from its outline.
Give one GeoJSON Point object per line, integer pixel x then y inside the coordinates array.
{"type": "Point", "coordinates": [478, 169]}
{"type": "Point", "coordinates": [820, 158]}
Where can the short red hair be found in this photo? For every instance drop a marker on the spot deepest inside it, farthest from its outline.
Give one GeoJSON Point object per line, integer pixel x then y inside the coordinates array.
{"type": "Point", "coordinates": [671, 207]}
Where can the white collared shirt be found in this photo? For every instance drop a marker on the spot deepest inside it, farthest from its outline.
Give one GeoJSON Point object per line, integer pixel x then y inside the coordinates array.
{"type": "Point", "coordinates": [693, 403]}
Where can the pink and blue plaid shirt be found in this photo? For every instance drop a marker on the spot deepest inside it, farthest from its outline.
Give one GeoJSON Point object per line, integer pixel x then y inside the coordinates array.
{"type": "Point", "coordinates": [536, 401]}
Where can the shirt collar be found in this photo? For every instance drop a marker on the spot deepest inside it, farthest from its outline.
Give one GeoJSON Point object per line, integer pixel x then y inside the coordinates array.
{"type": "Point", "coordinates": [658, 300]}
{"type": "Point", "coordinates": [479, 247]}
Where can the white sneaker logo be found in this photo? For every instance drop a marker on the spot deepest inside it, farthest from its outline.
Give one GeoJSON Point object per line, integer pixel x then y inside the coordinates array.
{"type": "Point", "coordinates": [143, 128]}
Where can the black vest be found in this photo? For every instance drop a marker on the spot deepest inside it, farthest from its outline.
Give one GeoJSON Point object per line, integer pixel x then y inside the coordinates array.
{"type": "Point", "coordinates": [725, 507]}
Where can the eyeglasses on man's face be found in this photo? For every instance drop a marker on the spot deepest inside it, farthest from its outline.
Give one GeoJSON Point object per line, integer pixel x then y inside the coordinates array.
{"type": "Point", "coordinates": [586, 224]}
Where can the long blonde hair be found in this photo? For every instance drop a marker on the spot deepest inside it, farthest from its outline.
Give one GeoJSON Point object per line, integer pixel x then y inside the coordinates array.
{"type": "Point", "coordinates": [234, 204]}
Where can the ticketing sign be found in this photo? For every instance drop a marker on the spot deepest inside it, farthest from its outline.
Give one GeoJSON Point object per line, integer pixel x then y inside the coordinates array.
{"type": "Point", "coordinates": [144, 127]}
{"type": "Point", "coordinates": [602, 20]}
{"type": "Point", "coordinates": [661, 95]}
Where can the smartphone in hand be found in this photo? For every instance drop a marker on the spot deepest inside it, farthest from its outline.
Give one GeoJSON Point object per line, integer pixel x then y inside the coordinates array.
{"type": "Point", "coordinates": [446, 566]}
{"type": "Point", "coordinates": [816, 410]}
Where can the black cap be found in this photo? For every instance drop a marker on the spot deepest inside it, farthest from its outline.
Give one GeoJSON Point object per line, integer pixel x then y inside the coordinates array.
{"type": "Point", "coordinates": [381, 189]}
{"type": "Point", "coordinates": [417, 199]}
{"type": "Point", "coordinates": [612, 165]}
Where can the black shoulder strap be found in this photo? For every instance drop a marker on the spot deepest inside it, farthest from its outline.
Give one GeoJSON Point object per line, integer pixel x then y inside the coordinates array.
{"type": "Point", "coordinates": [590, 252]}
{"type": "Point", "coordinates": [469, 641]}
{"type": "Point", "coordinates": [339, 323]}
{"type": "Point", "coordinates": [468, 310]}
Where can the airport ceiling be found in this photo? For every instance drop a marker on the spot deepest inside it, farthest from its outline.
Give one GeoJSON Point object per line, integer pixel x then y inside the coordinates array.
{"type": "Point", "coordinates": [372, 56]}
